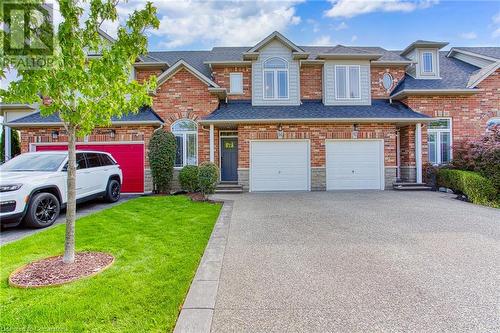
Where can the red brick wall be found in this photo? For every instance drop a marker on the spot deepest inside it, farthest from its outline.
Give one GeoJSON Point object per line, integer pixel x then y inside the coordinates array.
{"type": "Point", "coordinates": [378, 90]}
{"type": "Point", "coordinates": [317, 133]}
{"type": "Point", "coordinates": [221, 77]}
{"type": "Point", "coordinates": [122, 133]}
{"type": "Point", "coordinates": [469, 113]}
{"type": "Point", "coordinates": [311, 82]}
{"type": "Point", "coordinates": [144, 74]}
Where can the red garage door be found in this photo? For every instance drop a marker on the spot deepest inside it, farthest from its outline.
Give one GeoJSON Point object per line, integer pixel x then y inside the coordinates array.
{"type": "Point", "coordinates": [129, 156]}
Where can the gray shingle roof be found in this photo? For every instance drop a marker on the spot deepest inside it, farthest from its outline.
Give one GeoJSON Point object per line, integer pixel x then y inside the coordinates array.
{"type": "Point", "coordinates": [243, 110]}
{"type": "Point", "coordinates": [454, 75]}
{"type": "Point", "coordinates": [145, 114]}
{"type": "Point", "coordinates": [493, 52]}
{"type": "Point", "coordinates": [194, 58]}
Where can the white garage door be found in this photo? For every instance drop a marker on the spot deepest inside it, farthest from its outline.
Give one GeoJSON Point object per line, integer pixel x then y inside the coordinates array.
{"type": "Point", "coordinates": [279, 166]}
{"type": "Point", "coordinates": [354, 164]}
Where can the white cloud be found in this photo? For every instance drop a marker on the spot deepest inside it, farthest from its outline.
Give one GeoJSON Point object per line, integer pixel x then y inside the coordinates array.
{"type": "Point", "coordinates": [496, 33]}
{"type": "Point", "coordinates": [496, 18]}
{"type": "Point", "coordinates": [351, 8]}
{"type": "Point", "coordinates": [496, 25]}
{"type": "Point", "coordinates": [354, 38]}
{"type": "Point", "coordinates": [324, 40]}
{"type": "Point", "coordinates": [468, 35]}
{"type": "Point", "coordinates": [218, 22]}
{"type": "Point", "coordinates": [341, 26]}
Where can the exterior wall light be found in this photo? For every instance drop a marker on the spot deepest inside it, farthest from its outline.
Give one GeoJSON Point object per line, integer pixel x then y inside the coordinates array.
{"type": "Point", "coordinates": [354, 133]}
{"type": "Point", "coordinates": [112, 134]}
{"type": "Point", "coordinates": [279, 132]}
{"type": "Point", "coordinates": [55, 135]}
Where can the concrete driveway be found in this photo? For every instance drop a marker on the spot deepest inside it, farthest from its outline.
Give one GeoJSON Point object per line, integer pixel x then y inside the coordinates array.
{"type": "Point", "coordinates": [358, 262]}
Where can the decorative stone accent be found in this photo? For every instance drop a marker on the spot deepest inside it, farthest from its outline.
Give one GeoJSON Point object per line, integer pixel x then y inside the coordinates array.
{"type": "Point", "coordinates": [318, 179]}
{"type": "Point", "coordinates": [148, 181]}
{"type": "Point", "coordinates": [408, 173]}
{"type": "Point", "coordinates": [390, 177]}
{"type": "Point", "coordinates": [175, 185]}
{"type": "Point", "coordinates": [244, 178]}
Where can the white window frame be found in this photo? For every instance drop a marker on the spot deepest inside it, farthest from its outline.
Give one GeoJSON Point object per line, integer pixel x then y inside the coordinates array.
{"type": "Point", "coordinates": [492, 119]}
{"type": "Point", "coordinates": [347, 83]}
{"type": "Point", "coordinates": [434, 64]}
{"type": "Point", "coordinates": [231, 88]}
{"type": "Point", "coordinates": [437, 132]}
{"type": "Point", "coordinates": [184, 135]}
{"type": "Point", "coordinates": [275, 80]}
{"type": "Point", "coordinates": [392, 81]}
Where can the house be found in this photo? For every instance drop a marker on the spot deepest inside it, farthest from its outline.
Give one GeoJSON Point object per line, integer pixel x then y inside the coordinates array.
{"type": "Point", "coordinates": [279, 116]}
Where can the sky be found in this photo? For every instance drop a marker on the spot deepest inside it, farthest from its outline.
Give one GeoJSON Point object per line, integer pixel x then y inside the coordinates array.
{"type": "Point", "coordinates": [392, 24]}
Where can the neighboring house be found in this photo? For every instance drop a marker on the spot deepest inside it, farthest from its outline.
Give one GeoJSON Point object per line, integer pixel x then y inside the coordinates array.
{"type": "Point", "coordinates": [278, 116]}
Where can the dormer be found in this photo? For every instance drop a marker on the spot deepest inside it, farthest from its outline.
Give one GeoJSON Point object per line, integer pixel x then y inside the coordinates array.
{"type": "Point", "coordinates": [425, 58]}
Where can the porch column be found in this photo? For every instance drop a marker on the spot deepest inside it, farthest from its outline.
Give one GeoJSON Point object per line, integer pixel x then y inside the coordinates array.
{"type": "Point", "coordinates": [7, 151]}
{"type": "Point", "coordinates": [418, 151]}
{"type": "Point", "coordinates": [212, 145]}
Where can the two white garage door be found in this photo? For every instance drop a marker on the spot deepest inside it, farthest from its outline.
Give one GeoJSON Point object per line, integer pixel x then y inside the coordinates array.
{"type": "Point", "coordinates": [285, 165]}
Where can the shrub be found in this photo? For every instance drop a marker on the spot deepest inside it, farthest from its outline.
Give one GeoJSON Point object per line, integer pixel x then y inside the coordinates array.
{"type": "Point", "coordinates": [208, 176]}
{"type": "Point", "coordinates": [477, 188]}
{"type": "Point", "coordinates": [188, 177]}
{"type": "Point", "coordinates": [161, 157]}
{"type": "Point", "coordinates": [481, 155]}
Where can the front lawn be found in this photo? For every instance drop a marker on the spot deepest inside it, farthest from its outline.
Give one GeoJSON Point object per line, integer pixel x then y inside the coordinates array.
{"type": "Point", "coordinates": [157, 243]}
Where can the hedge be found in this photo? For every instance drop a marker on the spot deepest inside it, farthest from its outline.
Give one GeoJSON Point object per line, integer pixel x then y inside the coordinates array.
{"type": "Point", "coordinates": [188, 177]}
{"type": "Point", "coordinates": [161, 157]}
{"type": "Point", "coordinates": [207, 177]}
{"type": "Point", "coordinates": [477, 188]}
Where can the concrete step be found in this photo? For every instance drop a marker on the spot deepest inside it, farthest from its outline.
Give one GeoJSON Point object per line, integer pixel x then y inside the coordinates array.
{"type": "Point", "coordinates": [229, 190]}
{"type": "Point", "coordinates": [411, 186]}
{"type": "Point", "coordinates": [228, 187]}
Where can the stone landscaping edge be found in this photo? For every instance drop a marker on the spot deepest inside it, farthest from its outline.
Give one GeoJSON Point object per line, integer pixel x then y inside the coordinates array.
{"type": "Point", "coordinates": [198, 308]}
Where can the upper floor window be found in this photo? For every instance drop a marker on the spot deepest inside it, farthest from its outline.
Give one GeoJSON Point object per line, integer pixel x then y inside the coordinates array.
{"type": "Point", "coordinates": [275, 79]}
{"type": "Point", "coordinates": [427, 63]}
{"type": "Point", "coordinates": [387, 81]}
{"type": "Point", "coordinates": [236, 83]}
{"type": "Point", "coordinates": [439, 141]}
{"type": "Point", "coordinates": [186, 136]}
{"type": "Point", "coordinates": [347, 82]}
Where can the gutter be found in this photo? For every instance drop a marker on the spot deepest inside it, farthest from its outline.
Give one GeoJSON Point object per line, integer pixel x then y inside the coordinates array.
{"type": "Point", "coordinates": [54, 124]}
{"type": "Point", "coordinates": [316, 120]}
{"type": "Point", "coordinates": [434, 92]}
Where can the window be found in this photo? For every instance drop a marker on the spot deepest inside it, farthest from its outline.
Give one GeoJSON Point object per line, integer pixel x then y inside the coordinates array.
{"type": "Point", "coordinates": [439, 141]}
{"type": "Point", "coordinates": [93, 160]}
{"type": "Point", "coordinates": [236, 83]}
{"type": "Point", "coordinates": [275, 79]}
{"type": "Point", "coordinates": [387, 81]}
{"type": "Point", "coordinates": [492, 123]}
{"type": "Point", "coordinates": [106, 160]}
{"type": "Point", "coordinates": [186, 137]}
{"type": "Point", "coordinates": [427, 65]}
{"type": "Point", "coordinates": [347, 82]}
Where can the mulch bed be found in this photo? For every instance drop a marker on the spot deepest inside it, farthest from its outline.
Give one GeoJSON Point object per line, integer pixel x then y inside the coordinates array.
{"type": "Point", "coordinates": [52, 271]}
{"type": "Point", "coordinates": [196, 196]}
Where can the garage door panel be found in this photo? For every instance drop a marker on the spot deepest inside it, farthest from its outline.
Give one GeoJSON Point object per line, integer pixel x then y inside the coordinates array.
{"type": "Point", "coordinates": [354, 164]}
{"type": "Point", "coordinates": [279, 166]}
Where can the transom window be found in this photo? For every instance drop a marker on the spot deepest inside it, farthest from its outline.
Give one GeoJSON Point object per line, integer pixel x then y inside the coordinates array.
{"type": "Point", "coordinates": [347, 82]}
{"type": "Point", "coordinates": [275, 79]}
{"type": "Point", "coordinates": [439, 141]}
{"type": "Point", "coordinates": [427, 63]}
{"type": "Point", "coordinates": [186, 136]}
{"type": "Point", "coordinates": [236, 83]}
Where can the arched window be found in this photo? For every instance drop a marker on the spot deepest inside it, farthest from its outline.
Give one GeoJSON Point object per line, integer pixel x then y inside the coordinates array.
{"type": "Point", "coordinates": [492, 122]}
{"type": "Point", "coordinates": [275, 79]}
{"type": "Point", "coordinates": [186, 136]}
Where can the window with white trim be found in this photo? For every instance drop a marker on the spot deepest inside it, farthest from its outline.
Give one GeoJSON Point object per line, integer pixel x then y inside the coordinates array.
{"type": "Point", "coordinates": [427, 62]}
{"type": "Point", "coordinates": [439, 141]}
{"type": "Point", "coordinates": [275, 79]}
{"type": "Point", "coordinates": [235, 83]}
{"type": "Point", "coordinates": [492, 122]}
{"type": "Point", "coordinates": [186, 137]}
{"type": "Point", "coordinates": [347, 82]}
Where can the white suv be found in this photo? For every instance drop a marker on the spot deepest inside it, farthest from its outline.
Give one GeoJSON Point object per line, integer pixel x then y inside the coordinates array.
{"type": "Point", "coordinates": [33, 186]}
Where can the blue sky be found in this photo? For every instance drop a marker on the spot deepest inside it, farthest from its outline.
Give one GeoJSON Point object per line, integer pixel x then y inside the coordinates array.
{"type": "Point", "coordinates": [393, 24]}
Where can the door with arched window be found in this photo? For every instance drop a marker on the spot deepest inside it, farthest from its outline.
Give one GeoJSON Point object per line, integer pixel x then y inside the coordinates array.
{"type": "Point", "coordinates": [186, 136]}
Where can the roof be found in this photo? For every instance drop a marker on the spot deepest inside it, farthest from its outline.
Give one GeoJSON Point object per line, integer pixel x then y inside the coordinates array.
{"type": "Point", "coordinates": [454, 74]}
{"type": "Point", "coordinates": [423, 43]}
{"type": "Point", "coordinates": [145, 115]}
{"type": "Point", "coordinates": [238, 111]}
{"type": "Point", "coordinates": [194, 58]}
{"type": "Point", "coordinates": [492, 52]}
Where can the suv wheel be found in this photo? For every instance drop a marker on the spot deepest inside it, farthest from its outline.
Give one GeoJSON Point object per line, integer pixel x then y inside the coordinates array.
{"type": "Point", "coordinates": [113, 191]}
{"type": "Point", "coordinates": [43, 210]}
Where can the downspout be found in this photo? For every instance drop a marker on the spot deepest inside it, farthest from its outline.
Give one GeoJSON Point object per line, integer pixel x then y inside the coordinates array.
{"type": "Point", "coordinates": [398, 155]}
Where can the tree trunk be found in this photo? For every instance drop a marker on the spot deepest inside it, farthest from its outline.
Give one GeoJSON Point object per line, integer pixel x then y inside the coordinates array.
{"type": "Point", "coordinates": [69, 244]}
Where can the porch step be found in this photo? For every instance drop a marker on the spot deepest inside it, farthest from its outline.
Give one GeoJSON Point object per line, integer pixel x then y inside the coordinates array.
{"type": "Point", "coordinates": [228, 188]}
{"type": "Point", "coordinates": [402, 186]}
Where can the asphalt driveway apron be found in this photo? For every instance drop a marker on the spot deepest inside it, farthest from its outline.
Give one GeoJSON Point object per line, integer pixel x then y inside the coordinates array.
{"type": "Point", "coordinates": [359, 261]}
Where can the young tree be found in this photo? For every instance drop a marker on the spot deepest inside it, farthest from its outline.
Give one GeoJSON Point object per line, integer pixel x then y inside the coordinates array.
{"type": "Point", "coordinates": [87, 92]}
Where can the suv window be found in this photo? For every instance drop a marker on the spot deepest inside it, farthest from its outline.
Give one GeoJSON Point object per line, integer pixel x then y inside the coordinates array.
{"type": "Point", "coordinates": [80, 162]}
{"type": "Point", "coordinates": [106, 160]}
{"type": "Point", "coordinates": [93, 160]}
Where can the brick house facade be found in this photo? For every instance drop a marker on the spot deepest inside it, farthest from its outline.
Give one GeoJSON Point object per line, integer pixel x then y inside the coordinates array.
{"type": "Point", "coordinates": [398, 117]}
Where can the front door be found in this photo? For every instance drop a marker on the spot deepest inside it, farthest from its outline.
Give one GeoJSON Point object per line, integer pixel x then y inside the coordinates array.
{"type": "Point", "coordinates": [229, 159]}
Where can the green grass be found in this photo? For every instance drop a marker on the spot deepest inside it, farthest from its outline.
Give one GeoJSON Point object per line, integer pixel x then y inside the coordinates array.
{"type": "Point", "coordinates": [157, 243]}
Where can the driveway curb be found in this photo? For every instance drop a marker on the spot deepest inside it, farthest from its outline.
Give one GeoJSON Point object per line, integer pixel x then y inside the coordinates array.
{"type": "Point", "coordinates": [198, 308]}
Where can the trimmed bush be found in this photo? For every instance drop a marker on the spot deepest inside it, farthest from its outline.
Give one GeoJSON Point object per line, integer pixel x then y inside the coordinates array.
{"type": "Point", "coordinates": [161, 157]}
{"type": "Point", "coordinates": [208, 176]}
{"type": "Point", "coordinates": [477, 188]}
{"type": "Point", "coordinates": [188, 177]}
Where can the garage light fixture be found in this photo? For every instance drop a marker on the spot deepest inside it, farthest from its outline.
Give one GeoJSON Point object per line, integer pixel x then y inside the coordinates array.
{"type": "Point", "coordinates": [55, 135]}
{"type": "Point", "coordinates": [112, 134]}
{"type": "Point", "coordinates": [354, 133]}
{"type": "Point", "coordinates": [280, 133]}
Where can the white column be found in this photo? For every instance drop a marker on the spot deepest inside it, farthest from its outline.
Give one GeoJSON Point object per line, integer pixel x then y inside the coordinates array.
{"type": "Point", "coordinates": [212, 145]}
{"type": "Point", "coordinates": [7, 151]}
{"type": "Point", "coordinates": [418, 151]}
